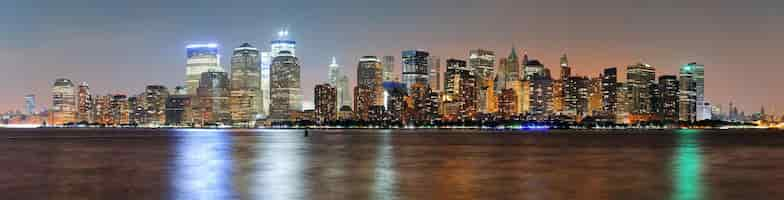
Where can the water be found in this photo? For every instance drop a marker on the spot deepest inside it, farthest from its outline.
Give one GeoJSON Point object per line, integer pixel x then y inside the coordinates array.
{"type": "Point", "coordinates": [390, 164]}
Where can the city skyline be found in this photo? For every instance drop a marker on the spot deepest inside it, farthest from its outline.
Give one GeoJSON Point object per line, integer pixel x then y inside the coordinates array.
{"type": "Point", "coordinates": [157, 59]}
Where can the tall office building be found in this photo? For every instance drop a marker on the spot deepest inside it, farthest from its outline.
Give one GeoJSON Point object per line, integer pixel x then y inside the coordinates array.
{"type": "Point", "coordinates": [30, 104]}
{"type": "Point", "coordinates": [482, 62]}
{"type": "Point", "coordinates": [266, 61]}
{"type": "Point", "coordinates": [566, 70]}
{"type": "Point", "coordinates": [63, 102]}
{"type": "Point", "coordinates": [512, 70]}
{"type": "Point", "coordinates": [691, 75]}
{"type": "Point", "coordinates": [200, 58]}
{"type": "Point", "coordinates": [245, 100]}
{"type": "Point", "coordinates": [369, 90]}
{"type": "Point", "coordinates": [283, 43]}
{"type": "Point", "coordinates": [640, 78]}
{"type": "Point", "coordinates": [541, 104]}
{"type": "Point", "coordinates": [435, 73]}
{"type": "Point", "coordinates": [460, 90]}
{"type": "Point", "coordinates": [286, 92]}
{"type": "Point", "coordinates": [178, 108]}
{"type": "Point", "coordinates": [325, 100]}
{"type": "Point", "coordinates": [533, 68]}
{"type": "Point", "coordinates": [577, 96]}
{"type": "Point", "coordinates": [213, 97]}
{"type": "Point", "coordinates": [609, 91]}
{"type": "Point", "coordinates": [416, 68]}
{"type": "Point", "coordinates": [84, 104]}
{"type": "Point", "coordinates": [668, 101]}
{"type": "Point", "coordinates": [703, 106]}
{"type": "Point", "coordinates": [388, 62]}
{"type": "Point", "coordinates": [334, 72]}
{"type": "Point", "coordinates": [344, 91]}
{"type": "Point", "coordinates": [119, 110]}
{"type": "Point", "coordinates": [155, 97]}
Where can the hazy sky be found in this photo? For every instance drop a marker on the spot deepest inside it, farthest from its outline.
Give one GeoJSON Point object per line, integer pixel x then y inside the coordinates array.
{"type": "Point", "coordinates": [121, 46]}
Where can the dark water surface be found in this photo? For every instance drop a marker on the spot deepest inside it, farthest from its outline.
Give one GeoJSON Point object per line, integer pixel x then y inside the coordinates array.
{"type": "Point", "coordinates": [390, 164]}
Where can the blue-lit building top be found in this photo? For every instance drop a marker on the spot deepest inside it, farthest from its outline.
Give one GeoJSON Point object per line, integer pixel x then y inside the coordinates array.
{"type": "Point", "coordinates": [194, 50]}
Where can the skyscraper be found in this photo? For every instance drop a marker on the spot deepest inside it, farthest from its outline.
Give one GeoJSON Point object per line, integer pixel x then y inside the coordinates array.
{"type": "Point", "coordinates": [155, 97]}
{"type": "Point", "coordinates": [483, 63]}
{"type": "Point", "coordinates": [245, 101]}
{"type": "Point", "coordinates": [691, 75]}
{"type": "Point", "coordinates": [334, 72]}
{"type": "Point", "coordinates": [369, 84]}
{"type": "Point", "coordinates": [416, 68]}
{"type": "Point", "coordinates": [84, 105]}
{"type": "Point", "coordinates": [286, 92]}
{"type": "Point", "coordinates": [200, 58]}
{"type": "Point", "coordinates": [577, 96]}
{"type": "Point", "coordinates": [266, 61]}
{"type": "Point", "coordinates": [668, 104]}
{"type": "Point", "coordinates": [344, 91]}
{"type": "Point", "coordinates": [30, 104]}
{"type": "Point", "coordinates": [388, 62]}
{"type": "Point", "coordinates": [703, 107]}
{"type": "Point", "coordinates": [512, 70]}
{"type": "Point", "coordinates": [460, 90]}
{"type": "Point", "coordinates": [325, 100]}
{"type": "Point", "coordinates": [213, 96]}
{"type": "Point", "coordinates": [541, 97]}
{"type": "Point", "coordinates": [435, 73]}
{"type": "Point", "coordinates": [178, 108]}
{"type": "Point", "coordinates": [640, 78]}
{"type": "Point", "coordinates": [63, 102]}
{"type": "Point", "coordinates": [609, 91]}
{"type": "Point", "coordinates": [119, 110]}
{"type": "Point", "coordinates": [566, 71]}
{"type": "Point", "coordinates": [283, 43]}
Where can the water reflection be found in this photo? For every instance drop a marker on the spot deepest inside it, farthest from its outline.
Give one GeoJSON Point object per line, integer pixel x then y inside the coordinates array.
{"type": "Point", "coordinates": [281, 166]}
{"type": "Point", "coordinates": [202, 166]}
{"type": "Point", "coordinates": [687, 167]}
{"type": "Point", "coordinates": [385, 183]}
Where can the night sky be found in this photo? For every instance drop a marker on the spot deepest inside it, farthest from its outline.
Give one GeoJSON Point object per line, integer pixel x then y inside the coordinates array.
{"type": "Point", "coordinates": [121, 46]}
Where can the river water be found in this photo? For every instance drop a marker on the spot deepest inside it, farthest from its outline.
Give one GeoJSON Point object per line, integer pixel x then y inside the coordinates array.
{"type": "Point", "coordinates": [390, 164]}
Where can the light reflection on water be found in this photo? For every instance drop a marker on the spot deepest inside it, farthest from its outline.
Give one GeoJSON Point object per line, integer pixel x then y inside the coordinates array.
{"type": "Point", "coordinates": [396, 164]}
{"type": "Point", "coordinates": [687, 167]}
{"type": "Point", "coordinates": [384, 184]}
{"type": "Point", "coordinates": [203, 166]}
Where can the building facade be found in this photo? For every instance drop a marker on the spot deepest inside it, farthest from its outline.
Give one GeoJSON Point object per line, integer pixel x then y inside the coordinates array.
{"type": "Point", "coordinates": [245, 98]}
{"type": "Point", "coordinates": [200, 58]}
{"type": "Point", "coordinates": [286, 92]}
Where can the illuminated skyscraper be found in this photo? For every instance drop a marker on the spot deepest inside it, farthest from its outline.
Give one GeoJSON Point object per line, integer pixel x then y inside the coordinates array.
{"type": "Point", "coordinates": [30, 104]}
{"type": "Point", "coordinates": [283, 43]}
{"type": "Point", "coordinates": [245, 101]}
{"type": "Point", "coordinates": [566, 71]}
{"type": "Point", "coordinates": [213, 96]}
{"type": "Point", "coordinates": [703, 106]}
{"type": "Point", "coordinates": [178, 108]}
{"type": "Point", "coordinates": [483, 63]}
{"type": "Point", "coordinates": [369, 85]}
{"type": "Point", "coordinates": [155, 97]}
{"type": "Point", "coordinates": [344, 92]}
{"type": "Point", "coordinates": [119, 110]}
{"type": "Point", "coordinates": [63, 102]}
{"type": "Point", "coordinates": [388, 62]}
{"type": "Point", "coordinates": [416, 68]}
{"type": "Point", "coordinates": [84, 104]}
{"type": "Point", "coordinates": [541, 97]}
{"type": "Point", "coordinates": [668, 104]}
{"type": "Point", "coordinates": [692, 86]}
{"type": "Point", "coordinates": [325, 100]}
{"type": "Point", "coordinates": [266, 61]}
{"type": "Point", "coordinates": [286, 92]}
{"type": "Point", "coordinates": [201, 58]}
{"type": "Point", "coordinates": [640, 78]}
{"type": "Point", "coordinates": [435, 73]}
{"type": "Point", "coordinates": [334, 72]}
{"type": "Point", "coordinates": [460, 90]}
{"type": "Point", "coordinates": [533, 68]}
{"type": "Point", "coordinates": [577, 96]}
{"type": "Point", "coordinates": [609, 90]}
